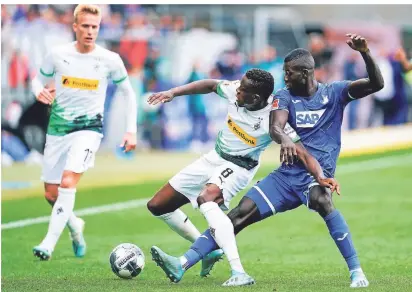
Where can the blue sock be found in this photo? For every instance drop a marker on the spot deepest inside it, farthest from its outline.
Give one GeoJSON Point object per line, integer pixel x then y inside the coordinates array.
{"type": "Point", "coordinates": [200, 248]}
{"type": "Point", "coordinates": [339, 231]}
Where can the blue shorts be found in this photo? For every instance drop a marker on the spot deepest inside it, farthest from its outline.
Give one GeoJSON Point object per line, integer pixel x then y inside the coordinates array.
{"type": "Point", "coordinates": [279, 192]}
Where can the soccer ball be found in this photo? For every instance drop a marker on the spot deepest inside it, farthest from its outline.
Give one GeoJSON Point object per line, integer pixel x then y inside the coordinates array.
{"type": "Point", "coordinates": [127, 260]}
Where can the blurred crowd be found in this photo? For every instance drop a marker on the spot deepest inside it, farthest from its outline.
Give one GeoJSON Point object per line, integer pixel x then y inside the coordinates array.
{"type": "Point", "coordinates": [161, 50]}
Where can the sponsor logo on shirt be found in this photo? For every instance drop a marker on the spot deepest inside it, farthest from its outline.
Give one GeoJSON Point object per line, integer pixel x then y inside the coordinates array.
{"type": "Point", "coordinates": [238, 131]}
{"type": "Point", "coordinates": [80, 83]}
{"type": "Point", "coordinates": [308, 119]}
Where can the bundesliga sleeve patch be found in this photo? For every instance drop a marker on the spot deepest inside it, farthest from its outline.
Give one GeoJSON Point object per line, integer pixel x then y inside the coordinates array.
{"type": "Point", "coordinates": [275, 104]}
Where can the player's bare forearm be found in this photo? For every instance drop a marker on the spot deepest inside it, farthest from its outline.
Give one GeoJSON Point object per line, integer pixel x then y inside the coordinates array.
{"type": "Point", "coordinates": [277, 122]}
{"type": "Point", "coordinates": [366, 86]}
{"type": "Point", "coordinates": [196, 87]}
{"type": "Point", "coordinates": [278, 135]}
{"type": "Point", "coordinates": [310, 163]}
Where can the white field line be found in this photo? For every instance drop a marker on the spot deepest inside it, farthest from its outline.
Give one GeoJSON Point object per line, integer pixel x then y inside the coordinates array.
{"type": "Point", "coordinates": [363, 166]}
{"type": "Point", "coordinates": [82, 212]}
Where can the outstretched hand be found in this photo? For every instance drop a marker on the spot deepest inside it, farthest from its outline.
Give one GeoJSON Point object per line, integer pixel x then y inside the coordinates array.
{"type": "Point", "coordinates": [163, 96]}
{"type": "Point", "coordinates": [357, 43]}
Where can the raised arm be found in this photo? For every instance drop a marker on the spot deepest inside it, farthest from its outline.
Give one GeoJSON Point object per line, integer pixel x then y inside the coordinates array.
{"type": "Point", "coordinates": [365, 86]}
{"type": "Point", "coordinates": [196, 87]}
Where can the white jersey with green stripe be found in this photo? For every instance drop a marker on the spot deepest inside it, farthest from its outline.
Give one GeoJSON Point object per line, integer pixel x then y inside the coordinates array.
{"type": "Point", "coordinates": [246, 133]}
{"type": "Point", "coordinates": [81, 81]}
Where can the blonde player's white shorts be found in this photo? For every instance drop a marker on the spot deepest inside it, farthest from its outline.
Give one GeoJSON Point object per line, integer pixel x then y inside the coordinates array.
{"type": "Point", "coordinates": [211, 168]}
{"type": "Point", "coordinates": [75, 152]}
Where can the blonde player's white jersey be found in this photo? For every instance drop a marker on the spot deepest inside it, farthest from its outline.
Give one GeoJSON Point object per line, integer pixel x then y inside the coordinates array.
{"type": "Point", "coordinates": [246, 132]}
{"type": "Point", "coordinates": [81, 81]}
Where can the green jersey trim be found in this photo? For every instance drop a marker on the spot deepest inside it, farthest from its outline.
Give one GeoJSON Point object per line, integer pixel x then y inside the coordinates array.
{"type": "Point", "coordinates": [220, 91]}
{"type": "Point", "coordinates": [120, 80]}
{"type": "Point", "coordinates": [45, 74]}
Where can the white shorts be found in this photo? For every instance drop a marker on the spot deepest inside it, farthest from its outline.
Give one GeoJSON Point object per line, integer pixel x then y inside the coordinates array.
{"type": "Point", "coordinates": [75, 152]}
{"type": "Point", "coordinates": [211, 168]}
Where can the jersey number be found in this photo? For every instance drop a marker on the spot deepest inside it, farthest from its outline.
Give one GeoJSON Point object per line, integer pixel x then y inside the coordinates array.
{"type": "Point", "coordinates": [88, 154]}
{"type": "Point", "coordinates": [225, 174]}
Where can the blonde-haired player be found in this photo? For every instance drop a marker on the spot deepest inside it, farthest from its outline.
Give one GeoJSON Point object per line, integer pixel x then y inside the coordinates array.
{"type": "Point", "coordinates": [80, 72]}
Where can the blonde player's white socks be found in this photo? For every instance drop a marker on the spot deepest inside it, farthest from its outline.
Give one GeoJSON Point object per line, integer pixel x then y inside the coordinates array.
{"type": "Point", "coordinates": [72, 223]}
{"type": "Point", "coordinates": [62, 209]}
{"type": "Point", "coordinates": [223, 233]}
{"type": "Point", "coordinates": [180, 223]}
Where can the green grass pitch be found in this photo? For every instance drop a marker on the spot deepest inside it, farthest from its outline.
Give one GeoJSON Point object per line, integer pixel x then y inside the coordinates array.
{"type": "Point", "coordinates": [288, 252]}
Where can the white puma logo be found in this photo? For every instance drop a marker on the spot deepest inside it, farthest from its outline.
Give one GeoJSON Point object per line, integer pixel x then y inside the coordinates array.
{"type": "Point", "coordinates": [204, 236]}
{"type": "Point", "coordinates": [295, 101]}
{"type": "Point", "coordinates": [343, 237]}
{"type": "Point", "coordinates": [325, 99]}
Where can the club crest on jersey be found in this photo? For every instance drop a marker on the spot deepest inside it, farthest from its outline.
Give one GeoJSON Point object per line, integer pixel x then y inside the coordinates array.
{"type": "Point", "coordinates": [257, 125]}
{"type": "Point", "coordinates": [308, 119]}
{"type": "Point", "coordinates": [275, 104]}
{"type": "Point", "coordinates": [239, 132]}
{"type": "Point", "coordinates": [80, 83]}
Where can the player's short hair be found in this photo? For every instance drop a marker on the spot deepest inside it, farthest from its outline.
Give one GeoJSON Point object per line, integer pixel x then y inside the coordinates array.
{"type": "Point", "coordinates": [303, 58]}
{"type": "Point", "coordinates": [86, 8]}
{"type": "Point", "coordinates": [262, 81]}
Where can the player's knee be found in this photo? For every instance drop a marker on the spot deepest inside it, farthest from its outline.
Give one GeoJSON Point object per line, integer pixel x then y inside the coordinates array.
{"type": "Point", "coordinates": [154, 207]}
{"type": "Point", "coordinates": [51, 197]}
{"type": "Point", "coordinates": [68, 182]}
{"type": "Point", "coordinates": [211, 193]}
{"type": "Point", "coordinates": [321, 201]}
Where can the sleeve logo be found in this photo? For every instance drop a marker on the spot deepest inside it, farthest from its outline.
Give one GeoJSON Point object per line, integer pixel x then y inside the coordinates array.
{"type": "Point", "coordinates": [275, 104]}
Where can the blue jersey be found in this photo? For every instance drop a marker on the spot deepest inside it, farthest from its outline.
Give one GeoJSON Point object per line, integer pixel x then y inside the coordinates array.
{"type": "Point", "coordinates": [318, 122]}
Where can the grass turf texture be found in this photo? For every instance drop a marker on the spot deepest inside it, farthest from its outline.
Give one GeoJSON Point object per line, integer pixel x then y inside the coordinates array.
{"type": "Point", "coordinates": [288, 252]}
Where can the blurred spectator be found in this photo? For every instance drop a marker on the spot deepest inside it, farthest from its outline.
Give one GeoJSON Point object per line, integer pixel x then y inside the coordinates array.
{"type": "Point", "coordinates": [271, 62]}
{"type": "Point", "coordinates": [150, 120]}
{"type": "Point", "coordinates": [229, 65]}
{"type": "Point", "coordinates": [135, 41]}
{"type": "Point", "coordinates": [392, 100]}
{"type": "Point", "coordinates": [159, 49]}
{"type": "Point", "coordinates": [14, 150]}
{"type": "Point", "coordinates": [111, 28]}
{"type": "Point", "coordinates": [322, 55]}
{"type": "Point", "coordinates": [197, 111]}
{"type": "Point", "coordinates": [18, 73]}
{"type": "Point", "coordinates": [352, 70]}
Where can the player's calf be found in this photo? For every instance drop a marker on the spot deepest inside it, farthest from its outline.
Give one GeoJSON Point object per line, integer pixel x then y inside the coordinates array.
{"type": "Point", "coordinates": [243, 215]}
{"type": "Point", "coordinates": [321, 201]}
{"type": "Point", "coordinates": [165, 205]}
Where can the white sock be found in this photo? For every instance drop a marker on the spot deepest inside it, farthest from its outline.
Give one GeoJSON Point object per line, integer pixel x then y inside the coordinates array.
{"type": "Point", "coordinates": [356, 270]}
{"type": "Point", "coordinates": [72, 223]}
{"type": "Point", "coordinates": [180, 223]}
{"type": "Point", "coordinates": [223, 233]}
{"type": "Point", "coordinates": [62, 209]}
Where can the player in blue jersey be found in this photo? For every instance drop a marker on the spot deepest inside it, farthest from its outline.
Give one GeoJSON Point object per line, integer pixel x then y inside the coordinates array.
{"type": "Point", "coordinates": [315, 111]}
